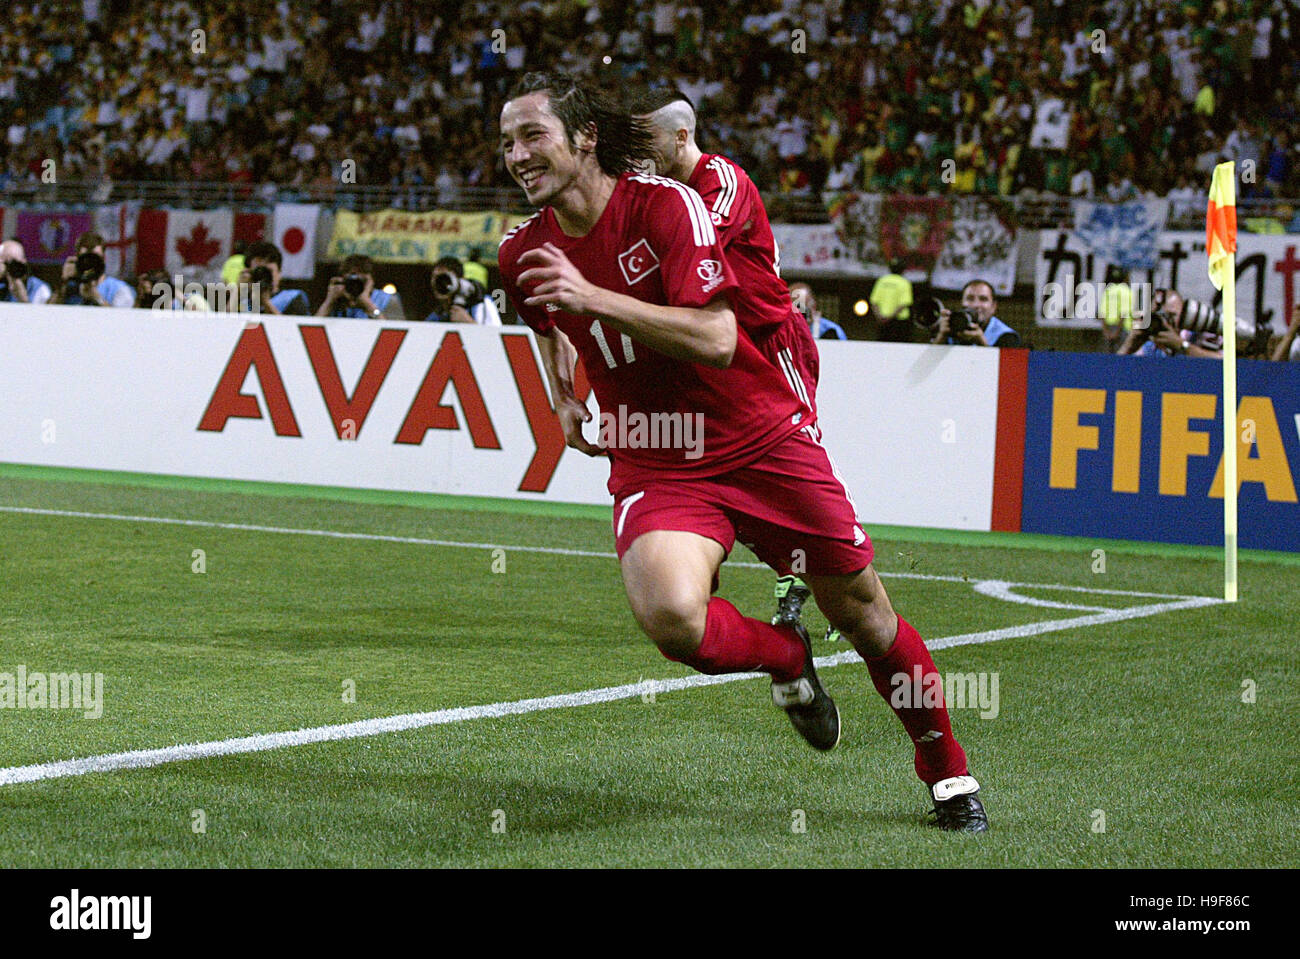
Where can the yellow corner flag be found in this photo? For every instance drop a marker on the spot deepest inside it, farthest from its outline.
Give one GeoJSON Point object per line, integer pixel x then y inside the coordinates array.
{"type": "Point", "coordinates": [1221, 223]}
{"type": "Point", "coordinates": [1220, 251]}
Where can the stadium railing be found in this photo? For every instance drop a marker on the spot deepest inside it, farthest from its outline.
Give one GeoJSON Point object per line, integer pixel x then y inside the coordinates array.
{"type": "Point", "coordinates": [1032, 211]}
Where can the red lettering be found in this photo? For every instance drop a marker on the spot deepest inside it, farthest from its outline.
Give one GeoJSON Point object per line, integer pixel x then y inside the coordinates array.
{"type": "Point", "coordinates": [548, 437]}
{"type": "Point", "coordinates": [450, 365]}
{"type": "Point", "coordinates": [1288, 266]}
{"type": "Point", "coordinates": [252, 350]}
{"type": "Point", "coordinates": [357, 407]}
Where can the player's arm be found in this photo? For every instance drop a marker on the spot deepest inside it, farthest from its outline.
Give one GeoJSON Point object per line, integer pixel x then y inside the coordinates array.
{"type": "Point", "coordinates": [559, 359]}
{"type": "Point", "coordinates": [705, 335]}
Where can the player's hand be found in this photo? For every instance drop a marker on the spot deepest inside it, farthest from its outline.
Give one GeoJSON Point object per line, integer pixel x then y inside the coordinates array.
{"type": "Point", "coordinates": [557, 280]}
{"type": "Point", "coordinates": [573, 413]}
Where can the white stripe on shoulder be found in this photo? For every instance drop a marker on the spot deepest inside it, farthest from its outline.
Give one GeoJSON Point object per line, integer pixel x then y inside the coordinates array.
{"type": "Point", "coordinates": [727, 195]}
{"type": "Point", "coordinates": [515, 229]}
{"type": "Point", "coordinates": [701, 225]}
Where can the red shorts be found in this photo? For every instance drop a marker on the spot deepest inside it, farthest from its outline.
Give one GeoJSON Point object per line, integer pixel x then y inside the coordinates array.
{"type": "Point", "coordinates": [789, 507]}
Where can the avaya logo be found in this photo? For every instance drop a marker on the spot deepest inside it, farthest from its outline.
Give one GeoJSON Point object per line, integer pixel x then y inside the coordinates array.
{"type": "Point", "coordinates": [450, 365]}
{"type": "Point", "coordinates": [637, 262]}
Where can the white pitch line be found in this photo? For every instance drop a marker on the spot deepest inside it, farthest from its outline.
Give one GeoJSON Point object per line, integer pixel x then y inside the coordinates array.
{"type": "Point", "coordinates": [550, 550]}
{"type": "Point", "coordinates": [144, 758]}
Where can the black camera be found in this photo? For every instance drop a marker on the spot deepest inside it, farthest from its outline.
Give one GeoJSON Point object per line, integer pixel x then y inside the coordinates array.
{"type": "Point", "coordinates": [464, 293]}
{"type": "Point", "coordinates": [90, 267]}
{"type": "Point", "coordinates": [926, 314]}
{"type": "Point", "coordinates": [262, 275]}
{"type": "Point", "coordinates": [353, 284]}
{"type": "Point", "coordinates": [15, 270]}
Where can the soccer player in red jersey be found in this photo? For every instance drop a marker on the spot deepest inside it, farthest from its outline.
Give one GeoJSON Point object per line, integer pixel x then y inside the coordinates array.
{"type": "Point", "coordinates": [705, 437]}
{"type": "Point", "coordinates": [762, 301]}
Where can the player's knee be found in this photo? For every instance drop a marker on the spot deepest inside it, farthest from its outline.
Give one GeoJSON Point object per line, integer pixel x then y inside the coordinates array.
{"type": "Point", "coordinates": [674, 624]}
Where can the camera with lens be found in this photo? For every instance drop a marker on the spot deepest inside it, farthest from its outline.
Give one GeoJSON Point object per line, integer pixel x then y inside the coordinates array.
{"type": "Point", "coordinates": [90, 267]}
{"type": "Point", "coordinates": [11, 271]}
{"type": "Point", "coordinates": [464, 292]}
{"type": "Point", "coordinates": [16, 269]}
{"type": "Point", "coordinates": [262, 276]}
{"type": "Point", "coordinates": [354, 284]}
{"type": "Point", "coordinates": [927, 315]}
{"type": "Point", "coordinates": [1200, 317]}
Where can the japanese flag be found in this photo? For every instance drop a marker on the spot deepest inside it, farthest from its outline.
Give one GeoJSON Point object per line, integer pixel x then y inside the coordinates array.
{"type": "Point", "coordinates": [295, 235]}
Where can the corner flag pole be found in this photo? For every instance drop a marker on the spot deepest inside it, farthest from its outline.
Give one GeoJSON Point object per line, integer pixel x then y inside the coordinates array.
{"type": "Point", "coordinates": [1220, 251]}
{"type": "Point", "coordinates": [1230, 430]}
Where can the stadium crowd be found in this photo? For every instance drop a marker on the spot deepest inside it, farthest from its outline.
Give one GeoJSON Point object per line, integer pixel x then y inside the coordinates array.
{"type": "Point", "coordinates": [808, 95]}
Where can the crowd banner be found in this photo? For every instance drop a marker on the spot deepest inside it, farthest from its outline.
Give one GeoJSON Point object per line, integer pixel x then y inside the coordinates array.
{"type": "Point", "coordinates": [815, 249]}
{"type": "Point", "coordinates": [950, 241]}
{"type": "Point", "coordinates": [856, 218]}
{"type": "Point", "coordinates": [49, 237]}
{"type": "Point", "coordinates": [400, 236]}
{"type": "Point", "coordinates": [913, 230]}
{"type": "Point", "coordinates": [1268, 285]}
{"type": "Point", "coordinates": [980, 245]}
{"type": "Point", "coordinates": [1126, 234]}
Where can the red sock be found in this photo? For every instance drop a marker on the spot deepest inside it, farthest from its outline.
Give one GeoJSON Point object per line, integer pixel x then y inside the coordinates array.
{"type": "Point", "coordinates": [737, 644]}
{"type": "Point", "coordinates": [938, 754]}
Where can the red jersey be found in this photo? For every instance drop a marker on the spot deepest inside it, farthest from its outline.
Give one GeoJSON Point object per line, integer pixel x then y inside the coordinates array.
{"type": "Point", "coordinates": [655, 241]}
{"type": "Point", "coordinates": [762, 301]}
{"type": "Point", "coordinates": [737, 213]}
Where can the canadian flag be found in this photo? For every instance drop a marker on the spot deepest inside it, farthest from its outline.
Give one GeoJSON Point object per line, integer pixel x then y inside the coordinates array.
{"type": "Point", "coordinates": [295, 235]}
{"type": "Point", "coordinates": [194, 243]}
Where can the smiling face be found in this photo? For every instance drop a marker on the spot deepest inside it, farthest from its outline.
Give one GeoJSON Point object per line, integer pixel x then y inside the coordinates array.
{"type": "Point", "coordinates": [979, 298]}
{"type": "Point", "coordinates": [537, 153]}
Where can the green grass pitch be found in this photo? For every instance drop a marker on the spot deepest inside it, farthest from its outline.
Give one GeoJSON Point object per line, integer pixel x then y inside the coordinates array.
{"type": "Point", "coordinates": [1160, 740]}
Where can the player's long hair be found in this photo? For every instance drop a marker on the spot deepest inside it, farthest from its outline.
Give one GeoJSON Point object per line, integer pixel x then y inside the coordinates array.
{"type": "Point", "coordinates": [621, 139]}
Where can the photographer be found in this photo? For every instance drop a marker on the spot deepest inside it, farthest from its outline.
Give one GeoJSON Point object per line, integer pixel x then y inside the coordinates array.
{"type": "Point", "coordinates": [17, 282]}
{"type": "Point", "coordinates": [1175, 327]}
{"type": "Point", "coordinates": [354, 295]}
{"type": "Point", "coordinates": [1288, 347]}
{"type": "Point", "coordinates": [819, 326]}
{"type": "Point", "coordinates": [85, 279]}
{"type": "Point", "coordinates": [975, 324]}
{"type": "Point", "coordinates": [264, 261]}
{"type": "Point", "coordinates": [458, 300]}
